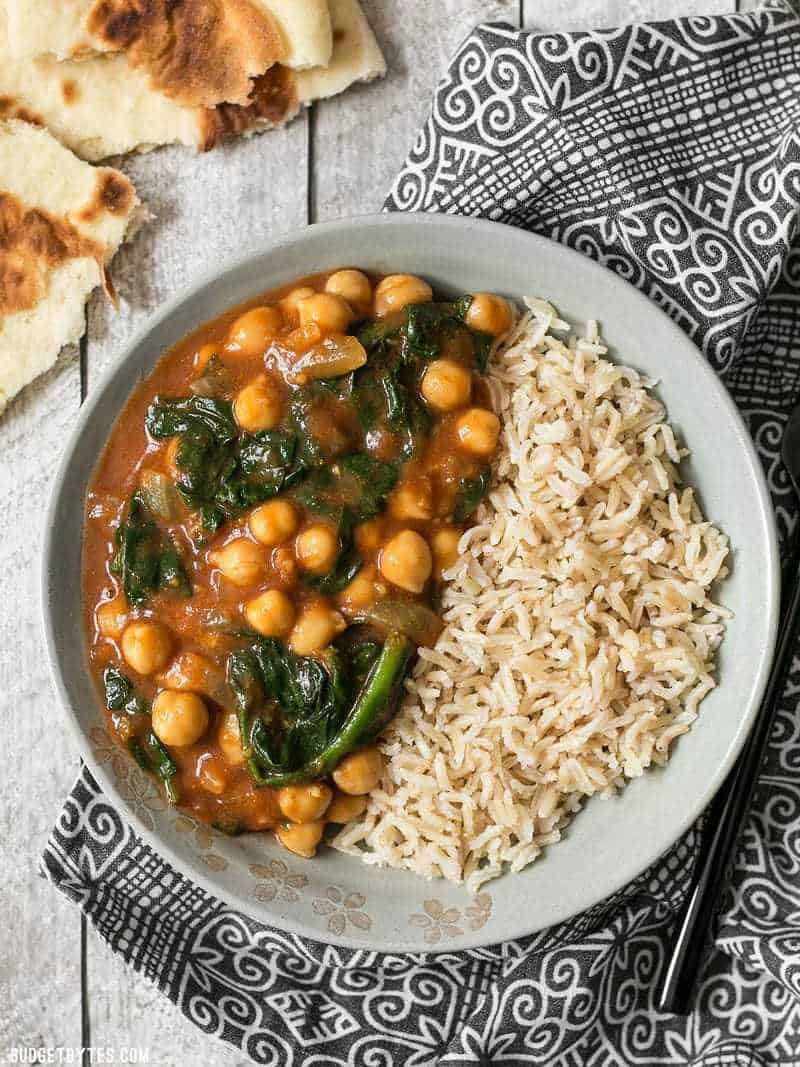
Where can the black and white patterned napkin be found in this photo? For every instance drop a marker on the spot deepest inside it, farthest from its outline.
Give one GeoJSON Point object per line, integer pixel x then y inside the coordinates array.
{"type": "Point", "coordinates": [671, 153]}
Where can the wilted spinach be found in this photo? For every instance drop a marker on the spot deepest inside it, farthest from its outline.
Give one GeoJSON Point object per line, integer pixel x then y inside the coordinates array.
{"type": "Point", "coordinates": [147, 560]}
{"type": "Point", "coordinates": [375, 480]}
{"type": "Point", "coordinates": [222, 471]}
{"type": "Point", "coordinates": [148, 751]}
{"type": "Point", "coordinates": [471, 492]}
{"type": "Point", "coordinates": [154, 757]}
{"type": "Point", "coordinates": [348, 562]}
{"type": "Point", "coordinates": [298, 716]}
{"type": "Point", "coordinates": [120, 693]}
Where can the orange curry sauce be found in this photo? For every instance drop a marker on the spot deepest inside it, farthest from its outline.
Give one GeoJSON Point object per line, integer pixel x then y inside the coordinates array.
{"type": "Point", "coordinates": [188, 655]}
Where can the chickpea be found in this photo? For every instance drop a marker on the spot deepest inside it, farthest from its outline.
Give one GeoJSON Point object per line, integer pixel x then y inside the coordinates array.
{"type": "Point", "coordinates": [252, 332]}
{"type": "Point", "coordinates": [368, 536]}
{"type": "Point", "coordinates": [444, 546]}
{"type": "Point", "coordinates": [489, 314]}
{"type": "Point", "coordinates": [258, 406]}
{"type": "Point", "coordinates": [301, 838]}
{"type": "Point", "coordinates": [272, 614]}
{"type": "Point", "coordinates": [352, 286]}
{"type": "Point", "coordinates": [229, 740]}
{"type": "Point", "coordinates": [412, 500]}
{"type": "Point", "coordinates": [316, 548]}
{"type": "Point", "coordinates": [194, 672]}
{"type": "Point", "coordinates": [406, 561]}
{"type": "Point", "coordinates": [274, 522]}
{"type": "Point", "coordinates": [359, 772]}
{"type": "Point", "coordinates": [305, 803]}
{"type": "Point", "coordinates": [315, 628]}
{"type": "Point", "coordinates": [327, 310]}
{"type": "Point", "coordinates": [212, 776]}
{"type": "Point", "coordinates": [477, 431]}
{"type": "Point", "coordinates": [362, 591]}
{"type": "Point", "coordinates": [111, 617]}
{"type": "Point", "coordinates": [146, 646]}
{"type": "Point", "coordinates": [240, 561]}
{"type": "Point", "coordinates": [446, 385]}
{"type": "Point", "coordinates": [284, 564]}
{"type": "Point", "coordinates": [203, 356]}
{"type": "Point", "coordinates": [290, 302]}
{"type": "Point", "coordinates": [397, 291]}
{"type": "Point", "coordinates": [345, 808]}
{"type": "Point", "coordinates": [179, 718]}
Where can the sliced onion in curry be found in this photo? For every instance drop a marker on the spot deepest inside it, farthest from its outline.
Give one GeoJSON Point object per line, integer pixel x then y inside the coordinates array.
{"type": "Point", "coordinates": [160, 495]}
{"type": "Point", "coordinates": [330, 358]}
{"type": "Point", "coordinates": [413, 620]}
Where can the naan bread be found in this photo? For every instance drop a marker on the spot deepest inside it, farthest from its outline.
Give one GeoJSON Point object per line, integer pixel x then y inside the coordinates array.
{"type": "Point", "coordinates": [61, 221]}
{"type": "Point", "coordinates": [101, 107]}
{"type": "Point", "coordinates": [356, 55]}
{"type": "Point", "coordinates": [199, 53]}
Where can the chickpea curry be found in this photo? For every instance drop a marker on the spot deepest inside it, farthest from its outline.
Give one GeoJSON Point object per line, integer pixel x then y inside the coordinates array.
{"type": "Point", "coordinates": [266, 534]}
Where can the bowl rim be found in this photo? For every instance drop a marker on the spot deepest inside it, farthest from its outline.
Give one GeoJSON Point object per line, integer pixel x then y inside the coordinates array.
{"type": "Point", "coordinates": [50, 547]}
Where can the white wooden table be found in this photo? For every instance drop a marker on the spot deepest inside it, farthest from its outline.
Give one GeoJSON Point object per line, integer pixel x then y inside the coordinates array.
{"type": "Point", "coordinates": [60, 986]}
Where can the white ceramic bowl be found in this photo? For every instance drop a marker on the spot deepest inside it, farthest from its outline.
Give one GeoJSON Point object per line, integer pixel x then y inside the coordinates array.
{"type": "Point", "coordinates": [611, 841]}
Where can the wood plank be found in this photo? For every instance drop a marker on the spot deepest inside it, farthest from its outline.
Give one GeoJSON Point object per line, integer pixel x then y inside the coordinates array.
{"type": "Point", "coordinates": [359, 143]}
{"type": "Point", "coordinates": [207, 208]}
{"type": "Point", "coordinates": [40, 990]}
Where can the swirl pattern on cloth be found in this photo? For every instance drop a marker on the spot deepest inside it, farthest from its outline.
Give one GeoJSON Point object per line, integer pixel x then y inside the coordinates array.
{"type": "Point", "coordinates": [671, 153]}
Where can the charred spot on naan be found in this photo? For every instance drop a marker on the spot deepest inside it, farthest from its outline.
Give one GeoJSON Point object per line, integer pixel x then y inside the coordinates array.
{"type": "Point", "coordinates": [113, 195]}
{"type": "Point", "coordinates": [69, 92]}
{"type": "Point", "coordinates": [197, 53]}
{"type": "Point", "coordinates": [274, 102]}
{"type": "Point", "coordinates": [33, 242]}
{"type": "Point", "coordinates": [13, 109]}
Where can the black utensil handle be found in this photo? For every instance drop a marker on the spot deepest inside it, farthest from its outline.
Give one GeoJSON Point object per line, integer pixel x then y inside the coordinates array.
{"type": "Point", "coordinates": [726, 816]}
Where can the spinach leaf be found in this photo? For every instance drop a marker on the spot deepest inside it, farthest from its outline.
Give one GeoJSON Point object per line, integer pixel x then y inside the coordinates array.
{"type": "Point", "coordinates": [300, 716]}
{"type": "Point", "coordinates": [137, 750]}
{"type": "Point", "coordinates": [168, 417]}
{"type": "Point", "coordinates": [147, 560]}
{"type": "Point", "coordinates": [388, 393]}
{"type": "Point", "coordinates": [151, 755]}
{"type": "Point", "coordinates": [120, 693]}
{"type": "Point", "coordinates": [348, 561]}
{"type": "Point", "coordinates": [309, 451]}
{"type": "Point", "coordinates": [222, 472]}
{"type": "Point", "coordinates": [262, 464]}
{"type": "Point", "coordinates": [482, 349]}
{"type": "Point", "coordinates": [423, 323]}
{"type": "Point", "coordinates": [374, 706]}
{"type": "Point", "coordinates": [154, 757]}
{"type": "Point", "coordinates": [359, 651]}
{"type": "Point", "coordinates": [317, 493]}
{"type": "Point", "coordinates": [471, 492]}
{"type": "Point", "coordinates": [243, 675]}
{"type": "Point", "coordinates": [376, 333]}
{"type": "Point", "coordinates": [375, 481]}
{"type": "Point", "coordinates": [305, 701]}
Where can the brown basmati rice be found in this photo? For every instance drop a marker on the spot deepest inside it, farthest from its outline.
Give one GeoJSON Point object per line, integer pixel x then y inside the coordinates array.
{"type": "Point", "coordinates": [580, 636]}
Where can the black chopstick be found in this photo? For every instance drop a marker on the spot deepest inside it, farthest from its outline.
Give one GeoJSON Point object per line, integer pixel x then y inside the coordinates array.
{"type": "Point", "coordinates": [725, 820]}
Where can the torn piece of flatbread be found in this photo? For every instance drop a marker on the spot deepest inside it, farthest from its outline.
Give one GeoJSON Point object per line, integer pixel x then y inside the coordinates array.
{"type": "Point", "coordinates": [356, 55]}
{"type": "Point", "coordinates": [198, 53]}
{"type": "Point", "coordinates": [356, 58]}
{"type": "Point", "coordinates": [61, 221]}
{"type": "Point", "coordinates": [101, 107]}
